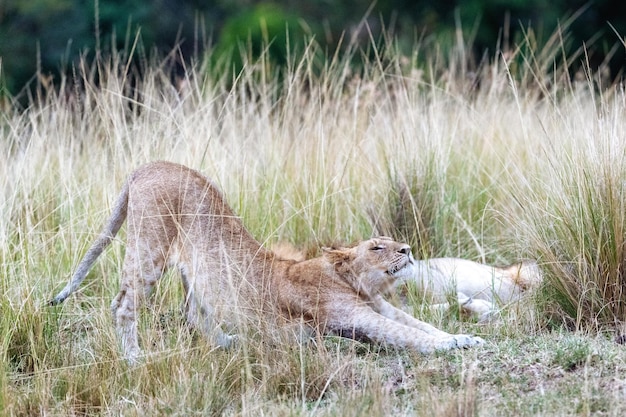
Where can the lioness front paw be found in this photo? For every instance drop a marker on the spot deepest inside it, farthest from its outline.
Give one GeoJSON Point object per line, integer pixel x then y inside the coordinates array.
{"type": "Point", "coordinates": [458, 341]}
{"type": "Point", "coordinates": [467, 341]}
{"type": "Point", "coordinates": [447, 343]}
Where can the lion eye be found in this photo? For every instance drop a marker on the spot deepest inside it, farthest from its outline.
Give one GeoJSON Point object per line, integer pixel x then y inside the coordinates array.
{"type": "Point", "coordinates": [378, 247]}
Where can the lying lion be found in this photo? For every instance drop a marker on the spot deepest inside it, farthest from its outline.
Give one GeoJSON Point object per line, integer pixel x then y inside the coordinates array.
{"type": "Point", "coordinates": [480, 289]}
{"type": "Point", "coordinates": [177, 218]}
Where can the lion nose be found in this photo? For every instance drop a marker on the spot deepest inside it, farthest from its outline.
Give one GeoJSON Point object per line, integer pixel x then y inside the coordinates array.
{"type": "Point", "coordinates": [405, 250]}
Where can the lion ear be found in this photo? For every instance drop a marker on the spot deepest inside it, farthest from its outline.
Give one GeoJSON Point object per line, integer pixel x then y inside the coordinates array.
{"type": "Point", "coordinates": [337, 257]}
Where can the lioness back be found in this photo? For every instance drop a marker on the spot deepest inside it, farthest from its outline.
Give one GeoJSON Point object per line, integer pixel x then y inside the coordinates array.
{"type": "Point", "coordinates": [168, 200]}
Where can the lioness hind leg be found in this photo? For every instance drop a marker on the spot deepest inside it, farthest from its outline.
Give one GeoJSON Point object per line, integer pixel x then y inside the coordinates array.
{"type": "Point", "coordinates": [481, 309]}
{"type": "Point", "coordinates": [124, 310]}
{"type": "Point", "coordinates": [139, 275]}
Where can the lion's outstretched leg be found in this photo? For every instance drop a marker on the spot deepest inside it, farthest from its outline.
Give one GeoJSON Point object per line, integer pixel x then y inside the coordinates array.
{"type": "Point", "coordinates": [389, 311]}
{"type": "Point", "coordinates": [364, 321]}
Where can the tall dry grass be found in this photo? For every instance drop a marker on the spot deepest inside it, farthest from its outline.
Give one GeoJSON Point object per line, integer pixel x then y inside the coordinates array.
{"type": "Point", "coordinates": [506, 160]}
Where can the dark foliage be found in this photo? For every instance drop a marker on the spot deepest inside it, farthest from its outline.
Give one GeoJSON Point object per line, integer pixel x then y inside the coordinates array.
{"type": "Point", "coordinates": [44, 37]}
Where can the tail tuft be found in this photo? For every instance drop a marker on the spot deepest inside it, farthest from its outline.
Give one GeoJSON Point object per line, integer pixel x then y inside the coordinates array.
{"type": "Point", "coordinates": [56, 301]}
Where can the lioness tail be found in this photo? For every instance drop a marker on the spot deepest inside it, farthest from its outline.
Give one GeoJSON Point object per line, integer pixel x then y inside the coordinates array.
{"type": "Point", "coordinates": [104, 239]}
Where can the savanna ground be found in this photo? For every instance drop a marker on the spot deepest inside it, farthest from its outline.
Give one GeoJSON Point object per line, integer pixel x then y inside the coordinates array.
{"type": "Point", "coordinates": [497, 162]}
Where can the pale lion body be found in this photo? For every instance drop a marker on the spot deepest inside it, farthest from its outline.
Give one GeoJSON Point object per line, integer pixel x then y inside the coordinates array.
{"type": "Point", "coordinates": [479, 289]}
{"type": "Point", "coordinates": [177, 218]}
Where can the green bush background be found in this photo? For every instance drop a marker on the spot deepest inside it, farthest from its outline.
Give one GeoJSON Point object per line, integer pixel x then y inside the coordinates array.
{"type": "Point", "coordinates": [48, 36]}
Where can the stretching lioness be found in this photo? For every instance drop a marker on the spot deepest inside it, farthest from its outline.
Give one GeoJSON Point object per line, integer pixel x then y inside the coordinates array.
{"type": "Point", "coordinates": [176, 217]}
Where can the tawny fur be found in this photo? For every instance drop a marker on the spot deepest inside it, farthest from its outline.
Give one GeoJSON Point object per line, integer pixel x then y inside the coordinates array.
{"type": "Point", "coordinates": [177, 218]}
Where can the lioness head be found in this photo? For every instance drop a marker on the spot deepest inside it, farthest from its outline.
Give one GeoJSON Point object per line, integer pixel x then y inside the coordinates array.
{"type": "Point", "coordinates": [373, 265]}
